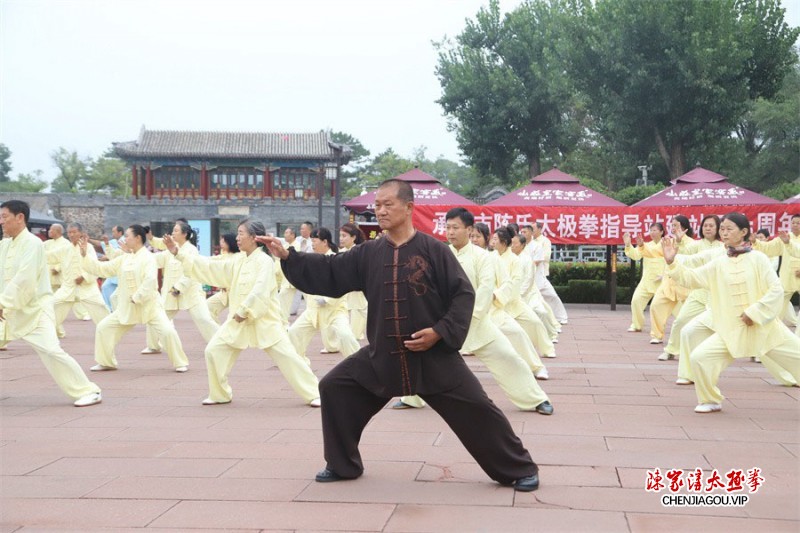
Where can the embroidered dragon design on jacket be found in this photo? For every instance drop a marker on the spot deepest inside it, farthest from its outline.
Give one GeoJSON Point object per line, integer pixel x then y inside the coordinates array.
{"type": "Point", "coordinates": [417, 267]}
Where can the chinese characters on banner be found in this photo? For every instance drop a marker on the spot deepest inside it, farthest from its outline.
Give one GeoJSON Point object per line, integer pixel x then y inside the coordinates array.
{"type": "Point", "coordinates": [601, 225]}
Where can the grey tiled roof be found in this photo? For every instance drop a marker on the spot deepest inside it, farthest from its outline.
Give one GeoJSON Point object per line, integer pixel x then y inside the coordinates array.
{"type": "Point", "coordinates": [236, 145]}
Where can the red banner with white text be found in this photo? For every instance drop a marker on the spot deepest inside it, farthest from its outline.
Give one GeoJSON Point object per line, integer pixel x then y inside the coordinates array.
{"type": "Point", "coordinates": [601, 225]}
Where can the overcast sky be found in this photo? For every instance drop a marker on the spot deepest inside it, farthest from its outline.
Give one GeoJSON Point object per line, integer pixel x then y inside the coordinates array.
{"type": "Point", "coordinates": [82, 73]}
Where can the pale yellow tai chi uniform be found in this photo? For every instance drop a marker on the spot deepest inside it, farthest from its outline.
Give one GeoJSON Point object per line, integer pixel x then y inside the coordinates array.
{"type": "Point", "coordinates": [357, 307]}
{"type": "Point", "coordinates": [287, 291]}
{"type": "Point", "coordinates": [790, 265]}
{"type": "Point", "coordinates": [88, 293]}
{"type": "Point", "coordinates": [26, 299]}
{"type": "Point", "coordinates": [329, 317]}
{"type": "Point", "coordinates": [742, 284]}
{"type": "Point", "coordinates": [533, 297]}
{"type": "Point", "coordinates": [509, 294]}
{"type": "Point", "coordinates": [536, 254]}
{"type": "Point", "coordinates": [219, 300]}
{"type": "Point", "coordinates": [652, 271]}
{"type": "Point", "coordinates": [55, 249]}
{"type": "Point", "coordinates": [253, 295]}
{"type": "Point", "coordinates": [695, 303]}
{"type": "Point", "coordinates": [192, 297]}
{"type": "Point", "coordinates": [138, 302]}
{"type": "Point", "coordinates": [669, 296]}
{"type": "Point", "coordinates": [545, 287]}
{"type": "Point", "coordinates": [486, 341]}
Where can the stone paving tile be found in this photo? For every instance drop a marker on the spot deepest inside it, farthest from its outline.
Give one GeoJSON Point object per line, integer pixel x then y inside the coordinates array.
{"type": "Point", "coordinates": [305, 469]}
{"type": "Point", "coordinates": [48, 486]}
{"type": "Point", "coordinates": [575, 476]}
{"type": "Point", "coordinates": [669, 523]}
{"type": "Point", "coordinates": [266, 515]}
{"type": "Point", "coordinates": [112, 466]}
{"type": "Point", "coordinates": [91, 516]}
{"type": "Point", "coordinates": [427, 518]}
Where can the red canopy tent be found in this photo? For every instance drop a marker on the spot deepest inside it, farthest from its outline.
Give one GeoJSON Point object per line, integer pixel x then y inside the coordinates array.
{"type": "Point", "coordinates": [428, 191]}
{"type": "Point", "coordinates": [555, 188]}
{"type": "Point", "coordinates": [701, 192]}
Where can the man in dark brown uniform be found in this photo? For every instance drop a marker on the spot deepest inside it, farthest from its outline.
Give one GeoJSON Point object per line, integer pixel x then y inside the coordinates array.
{"type": "Point", "coordinates": [420, 307]}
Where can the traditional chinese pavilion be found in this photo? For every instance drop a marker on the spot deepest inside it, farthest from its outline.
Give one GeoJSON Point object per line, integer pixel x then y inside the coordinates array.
{"type": "Point", "coordinates": [232, 165]}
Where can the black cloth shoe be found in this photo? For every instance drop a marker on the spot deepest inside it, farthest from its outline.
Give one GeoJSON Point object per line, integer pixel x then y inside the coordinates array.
{"type": "Point", "coordinates": [326, 476]}
{"type": "Point", "coordinates": [527, 484]}
{"type": "Point", "coordinates": [545, 408]}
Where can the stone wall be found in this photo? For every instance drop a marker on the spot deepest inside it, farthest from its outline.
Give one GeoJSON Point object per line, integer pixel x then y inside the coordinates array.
{"type": "Point", "coordinates": [99, 213]}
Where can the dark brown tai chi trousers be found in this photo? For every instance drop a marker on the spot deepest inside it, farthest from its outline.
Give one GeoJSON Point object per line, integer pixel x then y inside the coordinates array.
{"type": "Point", "coordinates": [348, 405]}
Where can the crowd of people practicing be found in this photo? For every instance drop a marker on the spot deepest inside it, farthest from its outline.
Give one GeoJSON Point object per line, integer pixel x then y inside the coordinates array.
{"type": "Point", "coordinates": [416, 305]}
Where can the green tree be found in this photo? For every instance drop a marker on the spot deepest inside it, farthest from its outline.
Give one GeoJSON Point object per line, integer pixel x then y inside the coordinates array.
{"type": "Point", "coordinates": [5, 163]}
{"type": "Point", "coordinates": [636, 193]}
{"type": "Point", "coordinates": [25, 183]}
{"type": "Point", "coordinates": [107, 175]}
{"type": "Point", "coordinates": [504, 88]}
{"type": "Point", "coordinates": [784, 191]}
{"type": "Point", "coordinates": [675, 75]}
{"type": "Point", "coordinates": [72, 170]}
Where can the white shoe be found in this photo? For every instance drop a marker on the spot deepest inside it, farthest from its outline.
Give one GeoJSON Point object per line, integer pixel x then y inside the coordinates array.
{"type": "Point", "coordinates": [86, 318]}
{"type": "Point", "coordinates": [328, 351]}
{"type": "Point", "coordinates": [683, 381]}
{"type": "Point", "coordinates": [148, 351]}
{"type": "Point", "coordinates": [3, 348]}
{"type": "Point", "coordinates": [541, 374]}
{"type": "Point", "coordinates": [633, 330]}
{"type": "Point", "coordinates": [666, 356]}
{"type": "Point", "coordinates": [653, 340]}
{"type": "Point", "coordinates": [708, 408]}
{"type": "Point", "coordinates": [551, 355]}
{"type": "Point", "coordinates": [563, 322]}
{"type": "Point", "coordinates": [89, 399]}
{"type": "Point", "coordinates": [554, 340]}
{"type": "Point", "coordinates": [209, 401]}
{"type": "Point", "coordinates": [558, 329]}
{"type": "Point", "coordinates": [316, 402]}
{"type": "Point", "coordinates": [181, 369]}
{"type": "Point", "coordinates": [102, 368]}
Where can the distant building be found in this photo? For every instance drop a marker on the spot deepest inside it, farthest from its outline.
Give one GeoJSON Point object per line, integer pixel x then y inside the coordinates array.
{"type": "Point", "coordinates": [208, 165]}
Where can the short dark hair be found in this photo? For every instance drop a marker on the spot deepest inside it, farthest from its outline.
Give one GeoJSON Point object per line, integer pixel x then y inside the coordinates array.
{"type": "Point", "coordinates": [504, 235]}
{"type": "Point", "coordinates": [230, 240]}
{"type": "Point", "coordinates": [181, 220]}
{"type": "Point", "coordinates": [404, 191]}
{"type": "Point", "coordinates": [324, 234]}
{"type": "Point", "coordinates": [796, 215]}
{"type": "Point", "coordinates": [459, 212]}
{"type": "Point", "coordinates": [717, 221]}
{"type": "Point", "coordinates": [513, 227]}
{"type": "Point", "coordinates": [483, 229]}
{"type": "Point", "coordinates": [77, 225]}
{"type": "Point", "coordinates": [140, 231]}
{"type": "Point", "coordinates": [354, 231]}
{"type": "Point", "coordinates": [119, 228]}
{"type": "Point", "coordinates": [521, 238]}
{"type": "Point", "coordinates": [527, 226]}
{"type": "Point", "coordinates": [307, 223]}
{"type": "Point", "coordinates": [764, 232]}
{"type": "Point", "coordinates": [539, 225]}
{"type": "Point", "coordinates": [291, 230]}
{"type": "Point", "coordinates": [685, 224]}
{"type": "Point", "coordinates": [15, 207]}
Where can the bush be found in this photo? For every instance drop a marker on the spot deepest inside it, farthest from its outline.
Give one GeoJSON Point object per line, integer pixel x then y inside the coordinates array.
{"type": "Point", "coordinates": [562, 273]}
{"type": "Point", "coordinates": [589, 291]}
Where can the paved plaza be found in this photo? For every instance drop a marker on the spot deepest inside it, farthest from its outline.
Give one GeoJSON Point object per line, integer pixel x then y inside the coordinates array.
{"type": "Point", "coordinates": [151, 458]}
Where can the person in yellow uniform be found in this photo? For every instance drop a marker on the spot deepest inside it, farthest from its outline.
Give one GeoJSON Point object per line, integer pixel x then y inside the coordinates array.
{"type": "Point", "coordinates": [351, 235]}
{"type": "Point", "coordinates": [529, 291]}
{"type": "Point", "coordinates": [77, 285]}
{"type": "Point", "coordinates": [790, 269]}
{"type": "Point", "coordinates": [328, 315]}
{"type": "Point", "coordinates": [542, 262]}
{"type": "Point", "coordinates": [254, 319]}
{"type": "Point", "coordinates": [179, 292]}
{"type": "Point", "coordinates": [55, 248]}
{"type": "Point", "coordinates": [652, 271]}
{"type": "Point", "coordinates": [697, 300]}
{"type": "Point", "coordinates": [670, 296]}
{"type": "Point", "coordinates": [287, 292]}
{"type": "Point", "coordinates": [484, 339]}
{"type": "Point", "coordinates": [219, 301]}
{"type": "Point", "coordinates": [137, 301]}
{"type": "Point", "coordinates": [26, 304]}
{"type": "Point", "coordinates": [508, 294]}
{"type": "Point", "coordinates": [746, 299]}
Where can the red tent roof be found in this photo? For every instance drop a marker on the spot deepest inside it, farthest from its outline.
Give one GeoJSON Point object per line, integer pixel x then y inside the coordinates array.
{"type": "Point", "coordinates": [555, 188]}
{"type": "Point", "coordinates": [703, 187]}
{"type": "Point", "coordinates": [427, 191]}
{"type": "Point", "coordinates": [793, 200]}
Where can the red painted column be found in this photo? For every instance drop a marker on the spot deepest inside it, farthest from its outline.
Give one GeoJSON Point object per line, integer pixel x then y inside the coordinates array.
{"type": "Point", "coordinates": [148, 184]}
{"type": "Point", "coordinates": [135, 181]}
{"type": "Point", "coordinates": [267, 183]}
{"type": "Point", "coordinates": [204, 182]}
